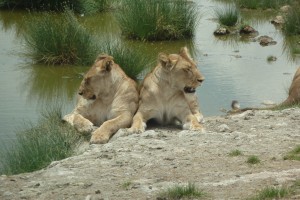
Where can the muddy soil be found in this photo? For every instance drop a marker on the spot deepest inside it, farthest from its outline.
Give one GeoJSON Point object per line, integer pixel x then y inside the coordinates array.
{"type": "Point", "coordinates": [141, 166]}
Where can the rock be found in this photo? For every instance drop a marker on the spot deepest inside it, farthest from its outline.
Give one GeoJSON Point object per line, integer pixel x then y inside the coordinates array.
{"type": "Point", "coordinates": [285, 8]}
{"type": "Point", "coordinates": [268, 103]}
{"type": "Point", "coordinates": [248, 30]}
{"type": "Point", "coordinates": [221, 31]}
{"type": "Point", "coordinates": [266, 40]}
{"type": "Point", "coordinates": [223, 128]}
{"type": "Point", "coordinates": [278, 20]}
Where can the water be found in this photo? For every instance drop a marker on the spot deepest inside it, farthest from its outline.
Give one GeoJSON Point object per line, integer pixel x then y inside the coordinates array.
{"type": "Point", "coordinates": [235, 69]}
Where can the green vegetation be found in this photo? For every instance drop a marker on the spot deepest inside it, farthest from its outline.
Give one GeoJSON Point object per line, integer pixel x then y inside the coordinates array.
{"type": "Point", "coordinates": [292, 22]}
{"type": "Point", "coordinates": [131, 60]}
{"type": "Point", "coordinates": [294, 154]}
{"type": "Point", "coordinates": [79, 6]}
{"type": "Point", "coordinates": [157, 20]}
{"type": "Point", "coordinates": [253, 160]}
{"type": "Point", "coordinates": [126, 185]}
{"type": "Point", "coordinates": [38, 145]}
{"type": "Point", "coordinates": [228, 15]}
{"type": "Point", "coordinates": [235, 153]}
{"type": "Point", "coordinates": [261, 4]}
{"type": "Point", "coordinates": [59, 40]}
{"type": "Point", "coordinates": [271, 193]}
{"type": "Point", "coordinates": [180, 192]}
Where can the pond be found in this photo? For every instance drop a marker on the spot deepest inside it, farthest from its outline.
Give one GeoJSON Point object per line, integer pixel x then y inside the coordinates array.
{"type": "Point", "coordinates": [235, 68]}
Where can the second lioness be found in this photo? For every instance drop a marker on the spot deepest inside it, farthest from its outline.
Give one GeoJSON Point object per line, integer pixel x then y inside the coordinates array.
{"type": "Point", "coordinates": [107, 98]}
{"type": "Point", "coordinates": [167, 93]}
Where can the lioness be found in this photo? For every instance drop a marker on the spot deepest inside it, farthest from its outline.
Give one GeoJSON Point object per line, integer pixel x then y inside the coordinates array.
{"type": "Point", "coordinates": [167, 93]}
{"type": "Point", "coordinates": [293, 98]}
{"type": "Point", "coordinates": [107, 98]}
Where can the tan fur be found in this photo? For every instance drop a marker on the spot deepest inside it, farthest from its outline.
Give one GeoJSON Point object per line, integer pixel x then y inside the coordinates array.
{"type": "Point", "coordinates": [107, 98]}
{"type": "Point", "coordinates": [163, 94]}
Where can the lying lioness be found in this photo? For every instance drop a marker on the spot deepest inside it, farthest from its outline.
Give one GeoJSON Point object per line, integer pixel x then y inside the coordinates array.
{"type": "Point", "coordinates": [167, 93]}
{"type": "Point", "coordinates": [107, 98]}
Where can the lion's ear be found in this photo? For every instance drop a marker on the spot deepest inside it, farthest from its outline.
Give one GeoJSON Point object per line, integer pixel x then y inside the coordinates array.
{"type": "Point", "coordinates": [184, 52]}
{"type": "Point", "coordinates": [167, 61]}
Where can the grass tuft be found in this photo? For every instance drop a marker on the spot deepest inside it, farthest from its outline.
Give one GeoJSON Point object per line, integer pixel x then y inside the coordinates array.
{"type": "Point", "coordinates": [131, 60]}
{"type": "Point", "coordinates": [180, 192]}
{"type": "Point", "coordinates": [294, 154]}
{"type": "Point", "coordinates": [235, 153]}
{"type": "Point", "coordinates": [161, 20]}
{"type": "Point", "coordinates": [271, 193]}
{"type": "Point", "coordinates": [228, 15]}
{"type": "Point", "coordinates": [253, 160]}
{"type": "Point", "coordinates": [38, 145]}
{"type": "Point", "coordinates": [292, 22]}
{"type": "Point", "coordinates": [57, 40]}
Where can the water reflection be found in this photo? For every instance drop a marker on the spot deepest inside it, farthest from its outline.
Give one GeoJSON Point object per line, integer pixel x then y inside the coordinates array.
{"type": "Point", "coordinates": [47, 84]}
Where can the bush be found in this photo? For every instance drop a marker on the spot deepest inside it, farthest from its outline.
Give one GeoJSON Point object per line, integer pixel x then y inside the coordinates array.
{"type": "Point", "coordinates": [292, 22]}
{"type": "Point", "coordinates": [132, 61]}
{"type": "Point", "coordinates": [157, 20]}
{"type": "Point", "coordinates": [227, 16]}
{"type": "Point", "coordinates": [38, 145]}
{"type": "Point", "coordinates": [59, 40]}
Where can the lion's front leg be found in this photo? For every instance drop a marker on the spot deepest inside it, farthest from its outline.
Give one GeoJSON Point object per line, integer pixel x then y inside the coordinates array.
{"type": "Point", "coordinates": [138, 123]}
{"type": "Point", "coordinates": [194, 106]}
{"type": "Point", "coordinates": [110, 127]}
{"type": "Point", "coordinates": [81, 124]}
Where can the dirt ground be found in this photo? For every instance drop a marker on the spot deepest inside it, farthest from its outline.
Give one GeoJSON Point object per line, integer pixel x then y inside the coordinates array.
{"type": "Point", "coordinates": [141, 166]}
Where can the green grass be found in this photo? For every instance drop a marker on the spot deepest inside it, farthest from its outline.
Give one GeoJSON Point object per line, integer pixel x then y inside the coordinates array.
{"type": "Point", "coordinates": [228, 15]}
{"type": "Point", "coordinates": [235, 152]}
{"type": "Point", "coordinates": [157, 20]}
{"type": "Point", "coordinates": [180, 192]}
{"type": "Point", "coordinates": [271, 193]}
{"type": "Point", "coordinates": [126, 185]}
{"type": "Point", "coordinates": [253, 160]}
{"type": "Point", "coordinates": [36, 146]}
{"type": "Point", "coordinates": [58, 40]}
{"type": "Point", "coordinates": [131, 60]}
{"type": "Point", "coordinates": [261, 4]}
{"type": "Point", "coordinates": [294, 154]}
{"type": "Point", "coordinates": [292, 22]}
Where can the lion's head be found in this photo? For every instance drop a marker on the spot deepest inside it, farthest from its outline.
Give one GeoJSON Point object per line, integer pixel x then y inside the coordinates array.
{"type": "Point", "coordinates": [95, 78]}
{"type": "Point", "coordinates": [182, 70]}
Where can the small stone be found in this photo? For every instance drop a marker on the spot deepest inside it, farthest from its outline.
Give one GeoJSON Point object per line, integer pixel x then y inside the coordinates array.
{"type": "Point", "coordinates": [266, 40]}
{"type": "Point", "coordinates": [221, 31]}
{"type": "Point", "coordinates": [247, 30]}
{"type": "Point", "coordinates": [278, 20]}
{"type": "Point", "coordinates": [285, 8]}
{"type": "Point", "coordinates": [223, 128]}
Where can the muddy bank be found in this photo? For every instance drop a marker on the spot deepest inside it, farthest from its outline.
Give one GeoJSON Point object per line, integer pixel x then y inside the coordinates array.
{"type": "Point", "coordinates": [140, 166]}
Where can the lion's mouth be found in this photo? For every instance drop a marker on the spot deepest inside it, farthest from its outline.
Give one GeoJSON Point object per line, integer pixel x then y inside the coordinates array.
{"type": "Point", "coordinates": [189, 90]}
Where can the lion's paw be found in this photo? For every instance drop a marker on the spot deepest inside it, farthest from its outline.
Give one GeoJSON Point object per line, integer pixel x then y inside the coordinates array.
{"type": "Point", "coordinates": [99, 139]}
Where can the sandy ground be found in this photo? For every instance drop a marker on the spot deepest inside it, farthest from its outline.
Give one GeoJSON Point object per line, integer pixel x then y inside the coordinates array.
{"type": "Point", "coordinates": [141, 166]}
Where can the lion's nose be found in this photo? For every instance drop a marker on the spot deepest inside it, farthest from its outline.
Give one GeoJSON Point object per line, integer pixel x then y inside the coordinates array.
{"type": "Point", "coordinates": [80, 93]}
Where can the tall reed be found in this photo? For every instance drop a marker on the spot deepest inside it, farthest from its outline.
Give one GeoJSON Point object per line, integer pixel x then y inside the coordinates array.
{"type": "Point", "coordinates": [157, 20]}
{"type": "Point", "coordinates": [228, 15]}
{"type": "Point", "coordinates": [36, 146]}
{"type": "Point", "coordinates": [292, 21]}
{"type": "Point", "coordinates": [59, 40]}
